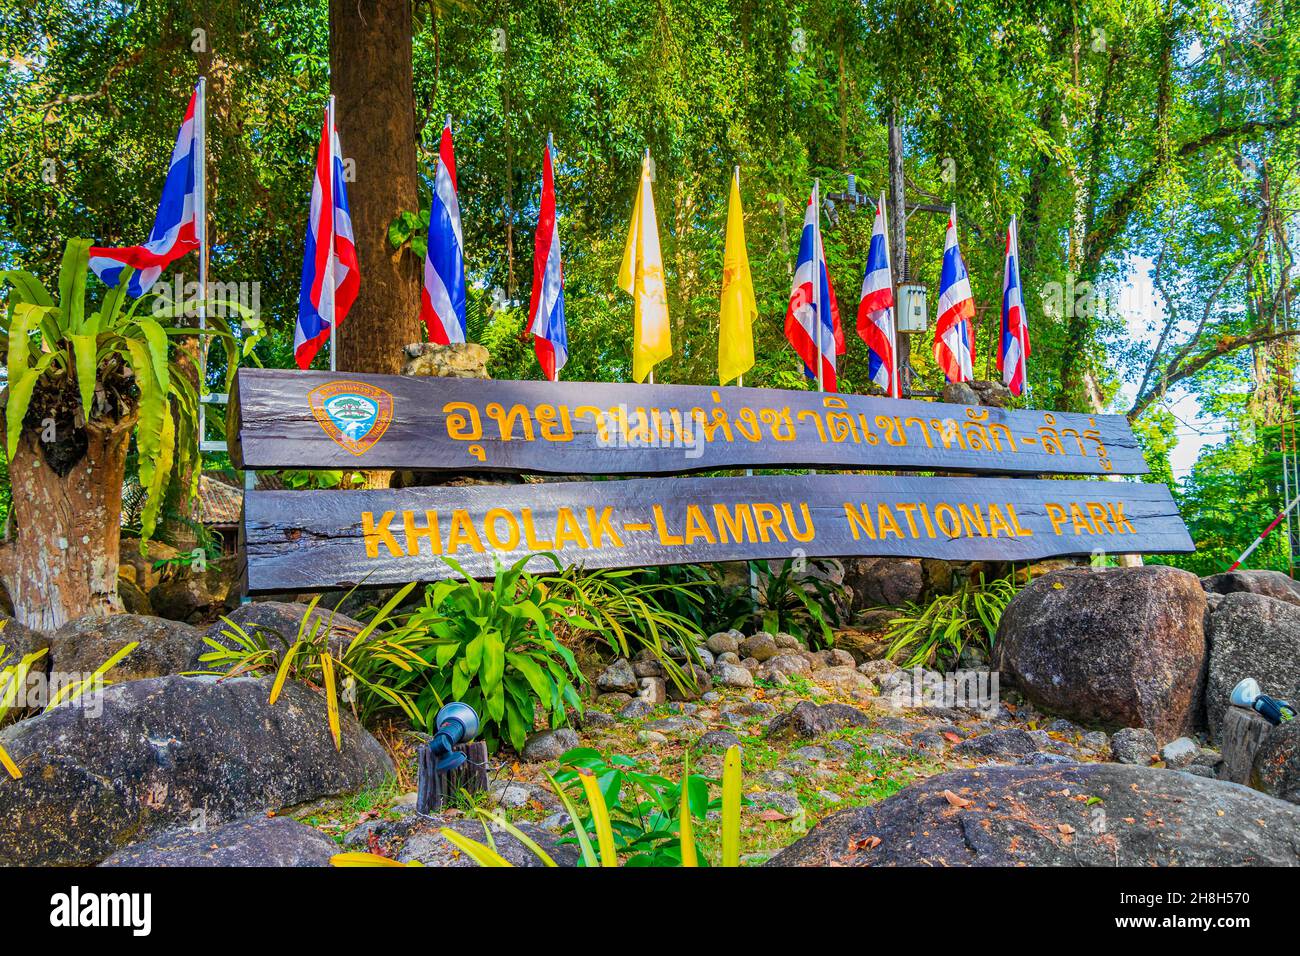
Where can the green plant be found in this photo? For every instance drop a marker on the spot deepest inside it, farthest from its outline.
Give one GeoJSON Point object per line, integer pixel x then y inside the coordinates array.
{"type": "Point", "coordinates": [699, 594]}
{"type": "Point", "coordinates": [626, 612]}
{"type": "Point", "coordinates": [795, 602]}
{"type": "Point", "coordinates": [375, 666]}
{"type": "Point", "coordinates": [321, 479]}
{"type": "Point", "coordinates": [934, 634]}
{"type": "Point", "coordinates": [495, 648]}
{"type": "Point", "coordinates": [114, 361]}
{"type": "Point", "coordinates": [653, 825]}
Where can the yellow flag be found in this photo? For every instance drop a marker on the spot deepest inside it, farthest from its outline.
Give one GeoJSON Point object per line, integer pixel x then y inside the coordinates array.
{"type": "Point", "coordinates": [642, 277]}
{"type": "Point", "coordinates": [735, 322]}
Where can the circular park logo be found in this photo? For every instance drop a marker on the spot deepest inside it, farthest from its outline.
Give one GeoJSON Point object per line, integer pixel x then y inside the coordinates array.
{"type": "Point", "coordinates": [354, 414]}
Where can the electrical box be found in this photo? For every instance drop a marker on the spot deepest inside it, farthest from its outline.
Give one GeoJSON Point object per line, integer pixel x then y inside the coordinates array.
{"type": "Point", "coordinates": [911, 308]}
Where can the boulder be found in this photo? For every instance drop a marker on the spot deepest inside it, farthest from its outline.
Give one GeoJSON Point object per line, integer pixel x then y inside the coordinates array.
{"type": "Point", "coordinates": [458, 360]}
{"type": "Point", "coordinates": [1240, 737]}
{"type": "Point", "coordinates": [782, 667]}
{"type": "Point", "coordinates": [1025, 815]}
{"type": "Point", "coordinates": [618, 678]}
{"type": "Point", "coordinates": [1272, 584]}
{"type": "Point", "coordinates": [166, 647]}
{"type": "Point", "coordinates": [194, 597]}
{"type": "Point", "coordinates": [1276, 768]}
{"type": "Point", "coordinates": [1009, 742]}
{"type": "Point", "coordinates": [883, 582]}
{"type": "Point", "coordinates": [253, 841]}
{"type": "Point", "coordinates": [415, 838]}
{"type": "Point", "coordinates": [724, 642]}
{"type": "Point", "coordinates": [549, 745]}
{"type": "Point", "coordinates": [1123, 647]}
{"type": "Point", "coordinates": [151, 755]}
{"type": "Point", "coordinates": [134, 598]}
{"type": "Point", "coordinates": [760, 646]}
{"type": "Point", "coordinates": [811, 720]}
{"type": "Point", "coordinates": [146, 571]}
{"type": "Point", "coordinates": [732, 675]}
{"type": "Point", "coordinates": [1251, 635]}
{"type": "Point", "coordinates": [19, 640]}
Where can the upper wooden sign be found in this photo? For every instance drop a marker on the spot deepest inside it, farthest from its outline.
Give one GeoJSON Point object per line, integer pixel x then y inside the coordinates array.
{"type": "Point", "coordinates": [292, 419]}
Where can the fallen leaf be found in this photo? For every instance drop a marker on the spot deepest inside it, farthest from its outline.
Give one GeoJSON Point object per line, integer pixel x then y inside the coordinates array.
{"type": "Point", "coordinates": [866, 843]}
{"type": "Point", "coordinates": [951, 737]}
{"type": "Point", "coordinates": [956, 801]}
{"type": "Point", "coordinates": [1065, 828]}
{"type": "Point", "coordinates": [772, 815]}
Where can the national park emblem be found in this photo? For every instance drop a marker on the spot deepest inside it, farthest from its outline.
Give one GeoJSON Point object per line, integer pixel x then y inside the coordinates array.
{"type": "Point", "coordinates": [354, 414]}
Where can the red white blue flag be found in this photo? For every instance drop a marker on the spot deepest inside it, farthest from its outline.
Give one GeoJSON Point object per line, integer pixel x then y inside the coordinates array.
{"type": "Point", "coordinates": [442, 303]}
{"type": "Point", "coordinates": [546, 307]}
{"type": "Point", "coordinates": [954, 334]}
{"type": "Point", "coordinates": [330, 272]}
{"type": "Point", "coordinates": [812, 320]}
{"type": "Point", "coordinates": [176, 226]}
{"type": "Point", "coordinates": [876, 308]}
{"type": "Point", "coordinates": [1014, 348]}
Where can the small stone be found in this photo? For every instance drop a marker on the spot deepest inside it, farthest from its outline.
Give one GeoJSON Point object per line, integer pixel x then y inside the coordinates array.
{"type": "Point", "coordinates": [811, 752]}
{"type": "Point", "coordinates": [1095, 740]}
{"type": "Point", "coordinates": [650, 738]}
{"type": "Point", "coordinates": [777, 779]}
{"type": "Point", "coordinates": [1177, 754]}
{"type": "Point", "coordinates": [651, 668]}
{"type": "Point", "coordinates": [751, 708]}
{"type": "Point", "coordinates": [613, 700]}
{"type": "Point", "coordinates": [830, 796]}
{"type": "Point", "coordinates": [635, 710]}
{"type": "Point", "coordinates": [712, 697]}
{"type": "Point", "coordinates": [1011, 742]}
{"type": "Point", "coordinates": [788, 641]}
{"type": "Point", "coordinates": [618, 678]}
{"type": "Point", "coordinates": [750, 663]}
{"type": "Point", "coordinates": [596, 719]}
{"type": "Point", "coordinates": [682, 707]}
{"type": "Point", "coordinates": [785, 802]}
{"type": "Point", "coordinates": [845, 748]}
{"type": "Point", "coordinates": [675, 725]}
{"type": "Point", "coordinates": [929, 742]}
{"type": "Point", "coordinates": [760, 646]}
{"type": "Point", "coordinates": [883, 743]}
{"type": "Point", "coordinates": [724, 642]}
{"type": "Point", "coordinates": [721, 739]}
{"type": "Point", "coordinates": [510, 794]}
{"type": "Point", "coordinates": [703, 684]}
{"type": "Point", "coordinates": [728, 658]}
{"type": "Point", "coordinates": [1067, 727]}
{"type": "Point", "coordinates": [732, 675]}
{"type": "Point", "coordinates": [877, 670]}
{"type": "Point", "coordinates": [653, 691]}
{"type": "Point", "coordinates": [705, 655]}
{"type": "Point", "coordinates": [1039, 759]}
{"type": "Point", "coordinates": [781, 667]}
{"type": "Point", "coordinates": [556, 821]}
{"type": "Point", "coordinates": [549, 745]}
{"type": "Point", "coordinates": [1134, 745]}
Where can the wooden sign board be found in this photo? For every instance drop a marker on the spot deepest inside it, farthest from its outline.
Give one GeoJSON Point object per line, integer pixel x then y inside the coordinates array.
{"type": "Point", "coordinates": [307, 540]}
{"type": "Point", "coordinates": [290, 419]}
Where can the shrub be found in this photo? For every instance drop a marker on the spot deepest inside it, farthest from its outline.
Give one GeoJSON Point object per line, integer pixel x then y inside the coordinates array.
{"type": "Point", "coordinates": [934, 634]}
{"type": "Point", "coordinates": [797, 603]}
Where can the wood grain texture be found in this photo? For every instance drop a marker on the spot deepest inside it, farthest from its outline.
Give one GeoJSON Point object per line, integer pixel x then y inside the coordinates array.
{"type": "Point", "coordinates": [312, 540]}
{"type": "Point", "coordinates": [571, 428]}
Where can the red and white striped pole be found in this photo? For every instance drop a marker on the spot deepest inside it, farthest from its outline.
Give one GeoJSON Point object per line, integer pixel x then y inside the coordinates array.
{"type": "Point", "coordinates": [1265, 533]}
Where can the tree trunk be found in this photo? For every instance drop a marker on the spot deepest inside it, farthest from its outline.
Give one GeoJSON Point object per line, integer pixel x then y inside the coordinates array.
{"type": "Point", "coordinates": [370, 68]}
{"type": "Point", "coordinates": [60, 561]}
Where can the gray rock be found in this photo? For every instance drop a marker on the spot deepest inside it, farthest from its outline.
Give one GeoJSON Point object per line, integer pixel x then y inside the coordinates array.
{"type": "Point", "coordinates": [194, 597]}
{"type": "Point", "coordinates": [732, 675]}
{"type": "Point", "coordinates": [161, 750]}
{"type": "Point", "coordinates": [777, 779]}
{"type": "Point", "coordinates": [281, 623]}
{"type": "Point", "coordinates": [676, 725]}
{"type": "Point", "coordinates": [884, 743]}
{"type": "Point", "coordinates": [779, 668]}
{"type": "Point", "coordinates": [1123, 647]}
{"type": "Point", "coordinates": [654, 690]}
{"type": "Point", "coordinates": [1032, 816]}
{"type": "Point", "coordinates": [787, 642]}
{"type": "Point", "coordinates": [1276, 769]}
{"type": "Point", "coordinates": [1251, 635]}
{"type": "Point", "coordinates": [1011, 742]}
{"type": "Point", "coordinates": [651, 738]}
{"type": "Point", "coordinates": [414, 838]}
{"type": "Point", "coordinates": [613, 700]}
{"type": "Point", "coordinates": [1040, 759]}
{"type": "Point", "coordinates": [728, 658]}
{"type": "Point", "coordinates": [787, 803]}
{"type": "Point", "coordinates": [648, 668]}
{"type": "Point", "coordinates": [719, 739]}
{"type": "Point", "coordinates": [1242, 734]}
{"type": "Point", "coordinates": [751, 708]}
{"type": "Point", "coordinates": [1272, 584]}
{"type": "Point", "coordinates": [759, 646]}
{"type": "Point", "coordinates": [597, 719]}
{"type": "Point", "coordinates": [635, 710]}
{"type": "Point", "coordinates": [1179, 753]}
{"type": "Point", "coordinates": [706, 657]}
{"type": "Point", "coordinates": [1095, 740]}
{"type": "Point", "coordinates": [811, 752]}
{"type": "Point", "coordinates": [253, 841]}
{"type": "Point", "coordinates": [618, 678]}
{"type": "Point", "coordinates": [549, 745]}
{"type": "Point", "coordinates": [724, 642]}
{"type": "Point", "coordinates": [703, 684]}
{"type": "Point", "coordinates": [1134, 745]}
{"type": "Point", "coordinates": [811, 720]}
{"type": "Point", "coordinates": [513, 794]}
{"type": "Point", "coordinates": [887, 582]}
{"type": "Point", "coordinates": [1197, 770]}
{"type": "Point", "coordinates": [830, 796]}
{"type": "Point", "coordinates": [165, 647]}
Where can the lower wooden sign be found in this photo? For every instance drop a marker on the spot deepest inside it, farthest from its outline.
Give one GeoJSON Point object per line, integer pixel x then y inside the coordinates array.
{"type": "Point", "coordinates": [313, 540]}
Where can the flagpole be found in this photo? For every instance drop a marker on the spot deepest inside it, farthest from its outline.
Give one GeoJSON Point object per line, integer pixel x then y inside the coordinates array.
{"type": "Point", "coordinates": [650, 378]}
{"type": "Point", "coordinates": [329, 268]}
{"type": "Point", "coordinates": [889, 261]}
{"type": "Point", "coordinates": [817, 277]}
{"type": "Point", "coordinates": [749, 472]}
{"type": "Point", "coordinates": [550, 155]}
{"type": "Point", "coordinates": [201, 228]}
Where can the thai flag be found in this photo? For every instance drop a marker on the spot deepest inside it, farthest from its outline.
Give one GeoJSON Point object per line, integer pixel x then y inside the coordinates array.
{"type": "Point", "coordinates": [175, 228]}
{"type": "Point", "coordinates": [954, 335]}
{"type": "Point", "coordinates": [1014, 350]}
{"type": "Point", "coordinates": [442, 303]}
{"type": "Point", "coordinates": [546, 308]}
{"type": "Point", "coordinates": [876, 309]}
{"type": "Point", "coordinates": [813, 320]}
{"type": "Point", "coordinates": [330, 273]}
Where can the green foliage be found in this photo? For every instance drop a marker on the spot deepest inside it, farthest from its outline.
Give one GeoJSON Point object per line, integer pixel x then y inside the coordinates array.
{"type": "Point", "coordinates": [68, 362]}
{"type": "Point", "coordinates": [374, 666]}
{"type": "Point", "coordinates": [495, 648]}
{"type": "Point", "coordinates": [700, 594]}
{"type": "Point", "coordinates": [933, 635]}
{"type": "Point", "coordinates": [802, 603]}
{"type": "Point", "coordinates": [321, 479]}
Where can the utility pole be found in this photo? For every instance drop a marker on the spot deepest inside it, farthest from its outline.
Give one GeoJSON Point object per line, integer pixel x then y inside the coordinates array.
{"type": "Point", "coordinates": [898, 242]}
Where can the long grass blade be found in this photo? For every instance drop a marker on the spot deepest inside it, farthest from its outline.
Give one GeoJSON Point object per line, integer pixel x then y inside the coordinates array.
{"type": "Point", "coordinates": [731, 807]}
{"type": "Point", "coordinates": [687, 826]}
{"type": "Point", "coordinates": [473, 849]}
{"type": "Point", "coordinates": [579, 831]}
{"type": "Point", "coordinates": [600, 817]}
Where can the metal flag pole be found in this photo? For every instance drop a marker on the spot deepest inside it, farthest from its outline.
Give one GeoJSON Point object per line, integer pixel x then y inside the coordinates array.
{"type": "Point", "coordinates": [895, 373]}
{"type": "Point", "coordinates": [550, 155]}
{"type": "Point", "coordinates": [650, 378]}
{"type": "Point", "coordinates": [817, 277]}
{"type": "Point", "coordinates": [329, 265]}
{"type": "Point", "coordinates": [201, 230]}
{"type": "Point", "coordinates": [749, 472]}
